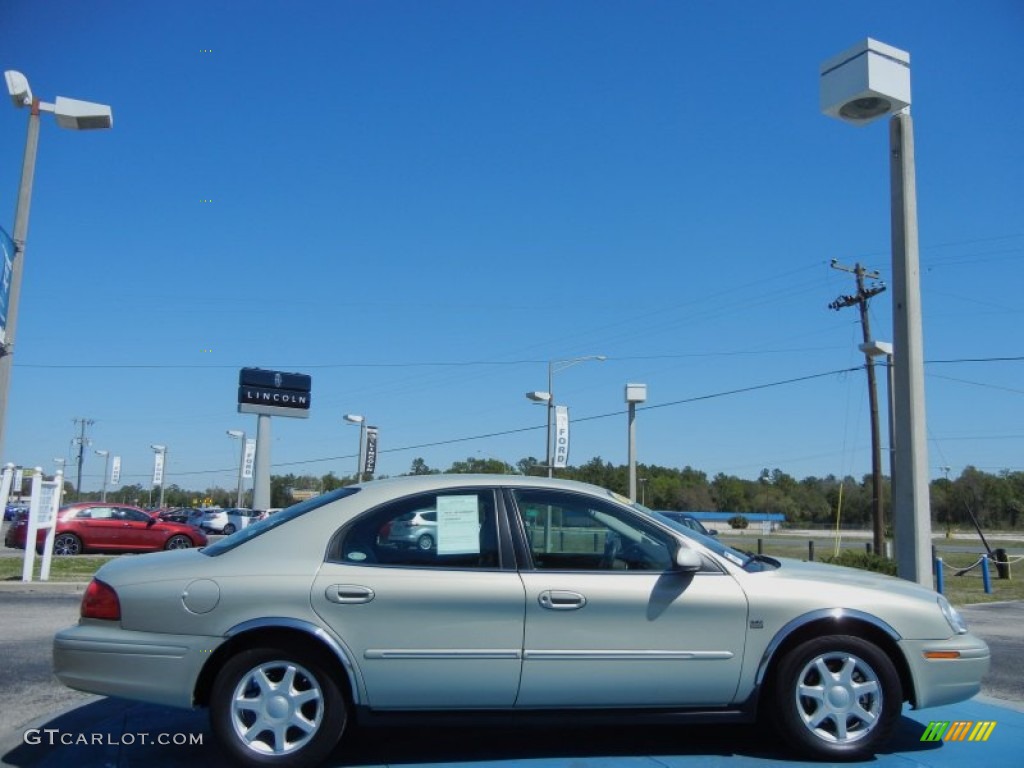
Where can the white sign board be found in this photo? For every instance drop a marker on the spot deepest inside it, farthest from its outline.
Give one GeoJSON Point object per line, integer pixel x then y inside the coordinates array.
{"type": "Point", "coordinates": [561, 436]}
{"type": "Point", "coordinates": [458, 525]}
{"type": "Point", "coordinates": [250, 458]}
{"type": "Point", "coordinates": [42, 515]}
{"type": "Point", "coordinates": [158, 468]}
{"type": "Point", "coordinates": [115, 471]}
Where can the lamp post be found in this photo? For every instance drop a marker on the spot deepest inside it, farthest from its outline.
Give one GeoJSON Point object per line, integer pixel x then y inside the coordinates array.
{"type": "Point", "coordinates": [884, 349]}
{"type": "Point", "coordinates": [554, 366]}
{"type": "Point", "coordinates": [635, 393]}
{"type": "Point", "coordinates": [355, 418]}
{"type": "Point", "coordinates": [106, 466]}
{"type": "Point", "coordinates": [159, 469]}
{"type": "Point", "coordinates": [239, 434]}
{"type": "Point", "coordinates": [70, 113]}
{"type": "Point", "coordinates": [858, 86]}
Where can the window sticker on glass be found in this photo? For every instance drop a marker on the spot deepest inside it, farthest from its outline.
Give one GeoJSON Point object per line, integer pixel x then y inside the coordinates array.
{"type": "Point", "coordinates": [458, 525]}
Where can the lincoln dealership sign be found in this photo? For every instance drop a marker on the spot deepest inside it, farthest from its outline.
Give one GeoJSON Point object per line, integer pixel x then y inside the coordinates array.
{"type": "Point", "coordinates": [273, 393]}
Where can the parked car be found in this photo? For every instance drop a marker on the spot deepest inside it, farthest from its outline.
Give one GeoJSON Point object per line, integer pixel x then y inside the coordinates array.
{"type": "Point", "coordinates": [538, 596]}
{"type": "Point", "coordinates": [184, 515]}
{"type": "Point", "coordinates": [227, 521]}
{"type": "Point", "coordinates": [690, 522]}
{"type": "Point", "coordinates": [414, 529]}
{"type": "Point", "coordinates": [104, 527]}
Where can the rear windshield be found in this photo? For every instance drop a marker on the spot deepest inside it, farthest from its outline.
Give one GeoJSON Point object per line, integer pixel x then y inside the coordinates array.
{"type": "Point", "coordinates": [273, 521]}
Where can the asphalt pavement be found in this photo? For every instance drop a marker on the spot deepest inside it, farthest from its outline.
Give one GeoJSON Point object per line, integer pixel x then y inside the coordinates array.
{"type": "Point", "coordinates": [44, 725]}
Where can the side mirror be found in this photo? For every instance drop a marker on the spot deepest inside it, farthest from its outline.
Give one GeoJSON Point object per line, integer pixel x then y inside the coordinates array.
{"type": "Point", "coordinates": [687, 560]}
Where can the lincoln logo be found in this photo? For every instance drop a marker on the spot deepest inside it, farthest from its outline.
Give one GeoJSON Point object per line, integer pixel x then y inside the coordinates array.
{"type": "Point", "coordinates": [277, 380]}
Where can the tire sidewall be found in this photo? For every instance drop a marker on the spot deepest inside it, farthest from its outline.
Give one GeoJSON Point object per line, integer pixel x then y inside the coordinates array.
{"type": "Point", "coordinates": [332, 724]}
{"type": "Point", "coordinates": [785, 710]}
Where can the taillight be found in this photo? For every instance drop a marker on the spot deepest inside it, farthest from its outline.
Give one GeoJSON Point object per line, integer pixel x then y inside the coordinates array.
{"type": "Point", "coordinates": [100, 602]}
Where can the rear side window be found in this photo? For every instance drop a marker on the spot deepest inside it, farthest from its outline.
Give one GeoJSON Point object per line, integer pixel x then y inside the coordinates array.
{"type": "Point", "coordinates": [453, 529]}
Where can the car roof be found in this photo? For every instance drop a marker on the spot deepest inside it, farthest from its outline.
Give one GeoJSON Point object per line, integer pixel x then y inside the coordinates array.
{"type": "Point", "coordinates": [411, 484]}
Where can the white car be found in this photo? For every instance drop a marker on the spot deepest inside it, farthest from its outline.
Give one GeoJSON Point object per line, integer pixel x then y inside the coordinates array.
{"type": "Point", "coordinates": [227, 521]}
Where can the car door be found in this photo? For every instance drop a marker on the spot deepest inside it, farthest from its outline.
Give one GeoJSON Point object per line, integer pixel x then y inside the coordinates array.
{"type": "Point", "coordinates": [438, 628]}
{"type": "Point", "coordinates": [139, 530]}
{"type": "Point", "coordinates": [609, 622]}
{"type": "Point", "coordinates": [98, 527]}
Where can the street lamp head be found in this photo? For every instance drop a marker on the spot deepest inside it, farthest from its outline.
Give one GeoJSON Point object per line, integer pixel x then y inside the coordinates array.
{"type": "Point", "coordinates": [877, 349]}
{"type": "Point", "coordinates": [354, 418]}
{"type": "Point", "coordinates": [236, 433]}
{"type": "Point", "coordinates": [158, 448]}
{"type": "Point", "coordinates": [18, 88]}
{"type": "Point", "coordinates": [869, 80]}
{"type": "Point", "coordinates": [82, 115]}
{"type": "Point", "coordinates": [539, 397]}
{"type": "Point", "coordinates": [102, 453]}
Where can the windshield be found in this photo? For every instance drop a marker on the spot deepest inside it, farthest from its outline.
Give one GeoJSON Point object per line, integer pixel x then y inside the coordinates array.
{"type": "Point", "coordinates": [745, 560]}
{"type": "Point", "coordinates": [273, 521]}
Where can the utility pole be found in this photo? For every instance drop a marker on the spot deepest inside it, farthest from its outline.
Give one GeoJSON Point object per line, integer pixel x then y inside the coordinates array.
{"type": "Point", "coordinates": [861, 299]}
{"type": "Point", "coordinates": [82, 442]}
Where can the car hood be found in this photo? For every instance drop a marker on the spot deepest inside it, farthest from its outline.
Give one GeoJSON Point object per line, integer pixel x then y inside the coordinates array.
{"type": "Point", "coordinates": [827, 574]}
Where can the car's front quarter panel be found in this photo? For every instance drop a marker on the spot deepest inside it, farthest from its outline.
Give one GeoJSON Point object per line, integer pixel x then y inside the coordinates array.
{"type": "Point", "coordinates": [845, 601]}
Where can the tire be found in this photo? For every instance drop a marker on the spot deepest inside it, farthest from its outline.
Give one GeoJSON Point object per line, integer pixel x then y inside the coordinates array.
{"type": "Point", "coordinates": [229, 529]}
{"type": "Point", "coordinates": [67, 544]}
{"type": "Point", "coordinates": [425, 542]}
{"type": "Point", "coordinates": [837, 698]}
{"type": "Point", "coordinates": [260, 719]}
{"type": "Point", "coordinates": [178, 541]}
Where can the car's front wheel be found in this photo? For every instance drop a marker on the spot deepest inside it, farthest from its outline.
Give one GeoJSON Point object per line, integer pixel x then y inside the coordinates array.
{"type": "Point", "coordinates": [837, 698]}
{"type": "Point", "coordinates": [178, 541]}
{"type": "Point", "coordinates": [276, 707]}
{"type": "Point", "coordinates": [425, 542]}
{"type": "Point", "coordinates": [67, 544]}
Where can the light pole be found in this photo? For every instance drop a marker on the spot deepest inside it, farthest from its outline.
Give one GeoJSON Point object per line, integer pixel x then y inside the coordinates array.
{"type": "Point", "coordinates": [159, 464]}
{"type": "Point", "coordinates": [70, 113]}
{"type": "Point", "coordinates": [355, 418]}
{"type": "Point", "coordinates": [554, 366]}
{"type": "Point", "coordinates": [239, 434]}
{"type": "Point", "coordinates": [884, 349]}
{"type": "Point", "coordinates": [863, 84]}
{"type": "Point", "coordinates": [635, 393]}
{"type": "Point", "coordinates": [106, 466]}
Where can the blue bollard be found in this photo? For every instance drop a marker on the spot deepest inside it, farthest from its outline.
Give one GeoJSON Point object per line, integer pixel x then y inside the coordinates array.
{"type": "Point", "coordinates": [985, 578]}
{"type": "Point", "coordinates": [939, 578]}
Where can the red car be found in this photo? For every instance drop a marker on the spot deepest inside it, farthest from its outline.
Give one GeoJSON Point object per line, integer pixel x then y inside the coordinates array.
{"type": "Point", "coordinates": [101, 526]}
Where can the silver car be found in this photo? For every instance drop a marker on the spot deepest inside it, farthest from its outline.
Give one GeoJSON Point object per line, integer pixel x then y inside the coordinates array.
{"type": "Point", "coordinates": [537, 596]}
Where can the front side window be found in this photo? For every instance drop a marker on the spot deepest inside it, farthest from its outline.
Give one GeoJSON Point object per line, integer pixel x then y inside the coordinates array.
{"type": "Point", "coordinates": [576, 532]}
{"type": "Point", "coordinates": [449, 529]}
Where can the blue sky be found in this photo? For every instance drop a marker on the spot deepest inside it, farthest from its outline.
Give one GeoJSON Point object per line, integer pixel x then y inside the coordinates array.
{"type": "Point", "coordinates": [421, 203]}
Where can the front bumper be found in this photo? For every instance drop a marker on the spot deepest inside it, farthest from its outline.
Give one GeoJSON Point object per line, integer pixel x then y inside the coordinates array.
{"type": "Point", "coordinates": [100, 657]}
{"type": "Point", "coordinates": [946, 681]}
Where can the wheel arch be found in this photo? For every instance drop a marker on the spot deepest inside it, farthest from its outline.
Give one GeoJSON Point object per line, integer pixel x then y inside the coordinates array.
{"type": "Point", "coordinates": [837, 621]}
{"type": "Point", "coordinates": [284, 633]}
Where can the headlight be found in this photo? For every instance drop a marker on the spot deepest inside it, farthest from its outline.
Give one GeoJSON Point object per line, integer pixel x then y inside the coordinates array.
{"type": "Point", "coordinates": [956, 621]}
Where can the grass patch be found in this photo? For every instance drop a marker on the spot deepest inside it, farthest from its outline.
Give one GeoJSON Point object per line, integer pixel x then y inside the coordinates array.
{"type": "Point", "coordinates": [77, 568]}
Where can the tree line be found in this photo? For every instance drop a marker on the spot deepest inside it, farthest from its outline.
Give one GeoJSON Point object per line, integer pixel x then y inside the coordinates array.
{"type": "Point", "coordinates": [994, 500]}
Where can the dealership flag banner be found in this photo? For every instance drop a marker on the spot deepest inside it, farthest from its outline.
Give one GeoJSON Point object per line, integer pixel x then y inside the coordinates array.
{"type": "Point", "coordinates": [115, 471]}
{"type": "Point", "coordinates": [6, 271]}
{"type": "Point", "coordinates": [561, 436]}
{"type": "Point", "coordinates": [250, 457]}
{"type": "Point", "coordinates": [371, 450]}
{"type": "Point", "coordinates": [158, 468]}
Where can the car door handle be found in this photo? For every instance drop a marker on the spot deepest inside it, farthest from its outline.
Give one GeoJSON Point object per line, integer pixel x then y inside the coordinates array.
{"type": "Point", "coordinates": [561, 600]}
{"type": "Point", "coordinates": [349, 593]}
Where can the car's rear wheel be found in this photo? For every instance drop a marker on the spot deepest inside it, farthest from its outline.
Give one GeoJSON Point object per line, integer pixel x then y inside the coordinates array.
{"type": "Point", "coordinates": [67, 544]}
{"type": "Point", "coordinates": [268, 707]}
{"type": "Point", "coordinates": [425, 542]}
{"type": "Point", "coordinates": [229, 529]}
{"type": "Point", "coordinates": [178, 541]}
{"type": "Point", "coordinates": [837, 698]}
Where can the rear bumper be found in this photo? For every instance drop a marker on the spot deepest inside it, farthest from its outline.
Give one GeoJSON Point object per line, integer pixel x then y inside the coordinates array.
{"type": "Point", "coordinates": [100, 657]}
{"type": "Point", "coordinates": [946, 681]}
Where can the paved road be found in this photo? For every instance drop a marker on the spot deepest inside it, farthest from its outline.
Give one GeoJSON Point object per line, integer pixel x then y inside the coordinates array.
{"type": "Point", "coordinates": [31, 697]}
